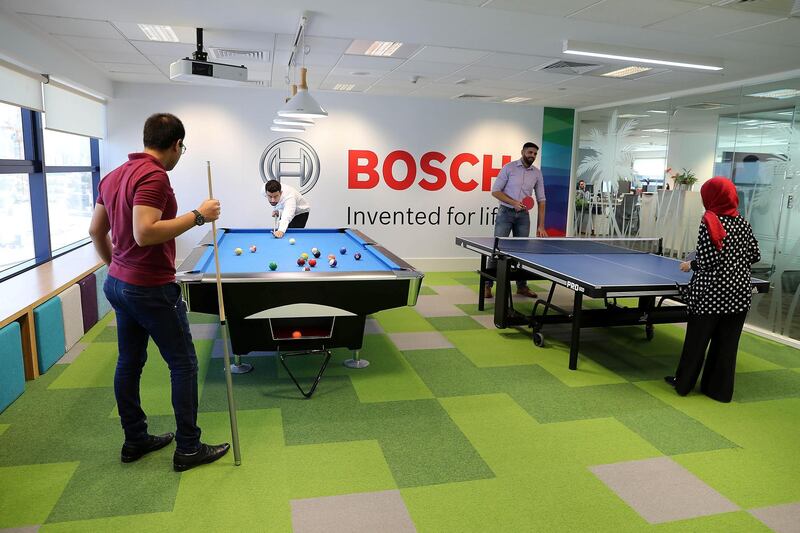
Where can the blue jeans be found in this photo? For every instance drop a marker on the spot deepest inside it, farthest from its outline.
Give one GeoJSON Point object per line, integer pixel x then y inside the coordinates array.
{"type": "Point", "coordinates": [158, 312]}
{"type": "Point", "coordinates": [510, 221]}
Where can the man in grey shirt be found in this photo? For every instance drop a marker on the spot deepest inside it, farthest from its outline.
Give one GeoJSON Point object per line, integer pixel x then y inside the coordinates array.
{"type": "Point", "coordinates": [515, 181]}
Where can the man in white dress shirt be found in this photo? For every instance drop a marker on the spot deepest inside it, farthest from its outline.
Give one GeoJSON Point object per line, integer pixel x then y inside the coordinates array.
{"type": "Point", "coordinates": [288, 204]}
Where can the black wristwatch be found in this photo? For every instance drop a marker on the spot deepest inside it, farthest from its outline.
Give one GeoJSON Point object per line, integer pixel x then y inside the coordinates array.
{"type": "Point", "coordinates": [199, 219]}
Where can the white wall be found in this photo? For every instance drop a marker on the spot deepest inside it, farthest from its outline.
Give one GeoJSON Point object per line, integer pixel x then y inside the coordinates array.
{"type": "Point", "coordinates": [230, 128]}
{"type": "Point", "coordinates": [695, 148]}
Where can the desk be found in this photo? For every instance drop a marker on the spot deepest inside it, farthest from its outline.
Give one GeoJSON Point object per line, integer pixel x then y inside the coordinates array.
{"type": "Point", "coordinates": [599, 268]}
{"type": "Point", "coordinates": [379, 280]}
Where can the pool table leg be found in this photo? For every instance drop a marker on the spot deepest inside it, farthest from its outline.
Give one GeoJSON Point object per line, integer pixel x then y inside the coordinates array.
{"type": "Point", "coordinates": [238, 367]}
{"type": "Point", "coordinates": [356, 361]}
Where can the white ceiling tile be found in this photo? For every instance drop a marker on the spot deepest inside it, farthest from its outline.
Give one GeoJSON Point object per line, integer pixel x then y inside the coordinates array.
{"type": "Point", "coordinates": [325, 45]}
{"type": "Point", "coordinates": [133, 32]}
{"type": "Point", "coordinates": [87, 43]}
{"type": "Point", "coordinates": [101, 56]}
{"type": "Point", "coordinates": [589, 82]}
{"type": "Point", "coordinates": [238, 39]}
{"type": "Point", "coordinates": [712, 21]}
{"type": "Point", "coordinates": [348, 72]}
{"type": "Point", "coordinates": [331, 82]}
{"type": "Point", "coordinates": [357, 62]}
{"type": "Point", "coordinates": [428, 68]}
{"type": "Point", "coordinates": [389, 90]}
{"type": "Point", "coordinates": [441, 90]}
{"type": "Point", "coordinates": [140, 78]}
{"type": "Point", "coordinates": [780, 32]}
{"type": "Point", "coordinates": [510, 84]}
{"type": "Point", "coordinates": [317, 58]}
{"type": "Point", "coordinates": [515, 61]}
{"type": "Point", "coordinates": [646, 12]}
{"type": "Point", "coordinates": [174, 50]}
{"type": "Point", "coordinates": [404, 82]}
{"type": "Point", "coordinates": [74, 26]}
{"type": "Point", "coordinates": [441, 54]}
{"type": "Point", "coordinates": [129, 68]}
{"type": "Point", "coordinates": [538, 77]}
{"type": "Point", "coordinates": [561, 8]}
{"type": "Point", "coordinates": [472, 3]}
{"type": "Point", "coordinates": [475, 72]}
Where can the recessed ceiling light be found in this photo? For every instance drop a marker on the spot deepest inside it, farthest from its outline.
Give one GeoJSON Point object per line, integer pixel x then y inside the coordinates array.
{"type": "Point", "coordinates": [627, 71]}
{"type": "Point", "coordinates": [635, 55]}
{"type": "Point", "coordinates": [344, 87]}
{"type": "Point", "coordinates": [657, 111]}
{"type": "Point", "coordinates": [786, 113]}
{"type": "Point", "coordinates": [383, 48]}
{"type": "Point", "coordinates": [516, 99]}
{"type": "Point", "coordinates": [360, 73]}
{"type": "Point", "coordinates": [656, 130]}
{"type": "Point", "coordinates": [633, 115]}
{"type": "Point", "coordinates": [779, 94]}
{"type": "Point", "coordinates": [155, 32]}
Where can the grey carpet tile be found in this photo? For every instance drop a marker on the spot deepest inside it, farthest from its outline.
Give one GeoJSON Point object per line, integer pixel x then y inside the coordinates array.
{"type": "Point", "coordinates": [373, 327]}
{"type": "Point", "coordinates": [72, 353]}
{"type": "Point", "coordinates": [204, 331]}
{"type": "Point", "coordinates": [661, 490]}
{"type": "Point", "coordinates": [431, 306]}
{"type": "Point", "coordinates": [780, 518]}
{"type": "Point", "coordinates": [420, 341]}
{"type": "Point", "coordinates": [352, 513]}
{"type": "Point", "coordinates": [456, 294]}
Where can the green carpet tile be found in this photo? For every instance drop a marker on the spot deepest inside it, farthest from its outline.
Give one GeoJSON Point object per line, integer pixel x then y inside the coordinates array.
{"type": "Point", "coordinates": [492, 434]}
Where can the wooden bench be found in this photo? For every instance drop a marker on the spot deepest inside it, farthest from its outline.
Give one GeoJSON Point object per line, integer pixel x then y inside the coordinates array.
{"type": "Point", "coordinates": [25, 291]}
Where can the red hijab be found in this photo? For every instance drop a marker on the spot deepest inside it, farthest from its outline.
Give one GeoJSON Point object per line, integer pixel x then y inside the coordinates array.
{"type": "Point", "coordinates": [719, 199]}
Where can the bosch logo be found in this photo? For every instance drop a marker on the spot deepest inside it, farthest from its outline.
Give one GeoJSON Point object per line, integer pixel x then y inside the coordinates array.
{"type": "Point", "coordinates": [290, 158]}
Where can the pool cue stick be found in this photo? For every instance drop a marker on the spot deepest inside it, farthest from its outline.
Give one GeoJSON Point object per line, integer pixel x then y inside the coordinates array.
{"type": "Point", "coordinates": [237, 457]}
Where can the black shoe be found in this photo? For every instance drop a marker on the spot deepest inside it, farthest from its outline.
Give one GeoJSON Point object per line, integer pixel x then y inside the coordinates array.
{"type": "Point", "coordinates": [206, 454]}
{"type": "Point", "coordinates": [670, 380]}
{"type": "Point", "coordinates": [131, 451]}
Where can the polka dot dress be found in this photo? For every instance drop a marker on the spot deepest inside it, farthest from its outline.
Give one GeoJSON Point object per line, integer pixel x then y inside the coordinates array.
{"type": "Point", "coordinates": [721, 280]}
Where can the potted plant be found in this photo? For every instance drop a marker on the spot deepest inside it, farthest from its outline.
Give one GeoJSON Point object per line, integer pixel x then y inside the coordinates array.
{"type": "Point", "coordinates": [685, 179]}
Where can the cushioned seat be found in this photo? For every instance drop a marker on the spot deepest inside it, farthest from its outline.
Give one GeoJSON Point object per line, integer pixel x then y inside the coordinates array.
{"type": "Point", "coordinates": [88, 287]}
{"type": "Point", "coordinates": [103, 307]}
{"type": "Point", "coordinates": [73, 316]}
{"type": "Point", "coordinates": [12, 371]}
{"type": "Point", "coordinates": [49, 325]}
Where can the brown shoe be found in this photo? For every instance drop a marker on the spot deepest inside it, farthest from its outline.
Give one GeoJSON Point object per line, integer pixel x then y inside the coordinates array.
{"type": "Point", "coordinates": [487, 291]}
{"type": "Point", "coordinates": [525, 291]}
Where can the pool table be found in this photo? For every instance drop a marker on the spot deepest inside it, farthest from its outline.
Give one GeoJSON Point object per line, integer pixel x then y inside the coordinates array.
{"type": "Point", "coordinates": [290, 309]}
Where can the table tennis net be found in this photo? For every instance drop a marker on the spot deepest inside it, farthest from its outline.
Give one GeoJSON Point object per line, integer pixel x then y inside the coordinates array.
{"type": "Point", "coordinates": [579, 245]}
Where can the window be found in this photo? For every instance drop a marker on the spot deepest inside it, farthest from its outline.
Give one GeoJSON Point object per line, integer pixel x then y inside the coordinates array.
{"type": "Point", "coordinates": [66, 150]}
{"type": "Point", "coordinates": [11, 141]}
{"type": "Point", "coordinates": [16, 226]}
{"type": "Point", "coordinates": [650, 170]}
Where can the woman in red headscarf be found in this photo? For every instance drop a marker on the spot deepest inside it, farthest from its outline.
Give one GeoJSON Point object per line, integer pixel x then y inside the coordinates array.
{"type": "Point", "coordinates": [719, 294]}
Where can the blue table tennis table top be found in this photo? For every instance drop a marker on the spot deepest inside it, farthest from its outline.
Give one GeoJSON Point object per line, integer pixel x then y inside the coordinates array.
{"type": "Point", "coordinates": [591, 263]}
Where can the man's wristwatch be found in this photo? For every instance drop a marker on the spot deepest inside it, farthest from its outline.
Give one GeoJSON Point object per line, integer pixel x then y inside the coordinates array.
{"type": "Point", "coordinates": [199, 219]}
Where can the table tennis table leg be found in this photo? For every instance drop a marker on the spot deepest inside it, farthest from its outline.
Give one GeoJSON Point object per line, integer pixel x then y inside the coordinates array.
{"type": "Point", "coordinates": [481, 299]}
{"type": "Point", "coordinates": [575, 342]}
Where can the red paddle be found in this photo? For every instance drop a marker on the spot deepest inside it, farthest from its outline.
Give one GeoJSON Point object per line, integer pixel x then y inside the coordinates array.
{"type": "Point", "coordinates": [527, 202]}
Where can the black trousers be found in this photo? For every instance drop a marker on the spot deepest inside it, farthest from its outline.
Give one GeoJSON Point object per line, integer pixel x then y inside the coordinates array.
{"type": "Point", "coordinates": [722, 332]}
{"type": "Point", "coordinates": [299, 221]}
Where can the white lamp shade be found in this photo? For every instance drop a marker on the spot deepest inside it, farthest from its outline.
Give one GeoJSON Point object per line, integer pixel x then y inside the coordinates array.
{"type": "Point", "coordinates": [291, 129]}
{"type": "Point", "coordinates": [284, 121]}
{"type": "Point", "coordinates": [302, 105]}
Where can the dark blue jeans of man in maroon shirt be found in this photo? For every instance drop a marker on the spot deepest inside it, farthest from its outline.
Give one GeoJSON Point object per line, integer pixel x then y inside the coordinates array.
{"type": "Point", "coordinates": [160, 313]}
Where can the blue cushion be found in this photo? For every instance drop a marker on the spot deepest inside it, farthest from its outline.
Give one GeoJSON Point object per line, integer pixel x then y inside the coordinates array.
{"type": "Point", "coordinates": [12, 371]}
{"type": "Point", "coordinates": [103, 307]}
{"type": "Point", "coordinates": [49, 332]}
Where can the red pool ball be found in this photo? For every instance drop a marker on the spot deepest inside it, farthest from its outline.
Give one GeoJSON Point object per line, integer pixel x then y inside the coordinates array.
{"type": "Point", "coordinates": [296, 334]}
{"type": "Point", "coordinates": [301, 261]}
{"type": "Point", "coordinates": [312, 262]}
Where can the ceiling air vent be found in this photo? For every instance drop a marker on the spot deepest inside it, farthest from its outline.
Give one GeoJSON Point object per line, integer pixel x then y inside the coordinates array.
{"type": "Point", "coordinates": [466, 96]}
{"type": "Point", "coordinates": [706, 106]}
{"type": "Point", "coordinates": [233, 54]}
{"type": "Point", "coordinates": [570, 67]}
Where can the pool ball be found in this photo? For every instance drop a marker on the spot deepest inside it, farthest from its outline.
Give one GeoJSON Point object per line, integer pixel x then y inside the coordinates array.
{"type": "Point", "coordinates": [301, 261]}
{"type": "Point", "coordinates": [253, 249]}
{"type": "Point", "coordinates": [315, 252]}
{"type": "Point", "coordinates": [357, 256]}
{"type": "Point", "coordinates": [312, 262]}
{"type": "Point", "coordinates": [331, 256]}
{"type": "Point", "coordinates": [342, 250]}
{"type": "Point", "coordinates": [273, 265]}
{"type": "Point", "coordinates": [304, 255]}
{"type": "Point", "coordinates": [296, 334]}
{"type": "Point", "coordinates": [291, 241]}
{"type": "Point", "coordinates": [237, 251]}
{"type": "Point", "coordinates": [332, 262]}
{"type": "Point", "coordinates": [306, 268]}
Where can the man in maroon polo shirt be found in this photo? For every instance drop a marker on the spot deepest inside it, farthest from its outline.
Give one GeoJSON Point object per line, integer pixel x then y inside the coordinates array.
{"type": "Point", "coordinates": [137, 204]}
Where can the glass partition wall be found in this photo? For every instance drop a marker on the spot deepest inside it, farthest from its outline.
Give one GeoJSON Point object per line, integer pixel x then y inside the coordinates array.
{"type": "Point", "coordinates": [642, 166]}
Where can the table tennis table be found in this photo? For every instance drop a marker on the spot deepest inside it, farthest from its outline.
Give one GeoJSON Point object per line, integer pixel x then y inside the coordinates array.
{"type": "Point", "coordinates": [598, 268]}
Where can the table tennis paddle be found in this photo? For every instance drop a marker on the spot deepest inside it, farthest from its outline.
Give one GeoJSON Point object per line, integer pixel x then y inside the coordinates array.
{"type": "Point", "coordinates": [527, 202]}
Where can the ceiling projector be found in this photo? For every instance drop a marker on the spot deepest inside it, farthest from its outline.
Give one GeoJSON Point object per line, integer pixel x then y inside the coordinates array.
{"type": "Point", "coordinates": [197, 69]}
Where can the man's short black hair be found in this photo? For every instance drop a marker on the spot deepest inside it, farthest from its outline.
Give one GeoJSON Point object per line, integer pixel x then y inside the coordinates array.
{"type": "Point", "coordinates": [162, 130]}
{"type": "Point", "coordinates": [273, 186]}
{"type": "Point", "coordinates": [530, 145]}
